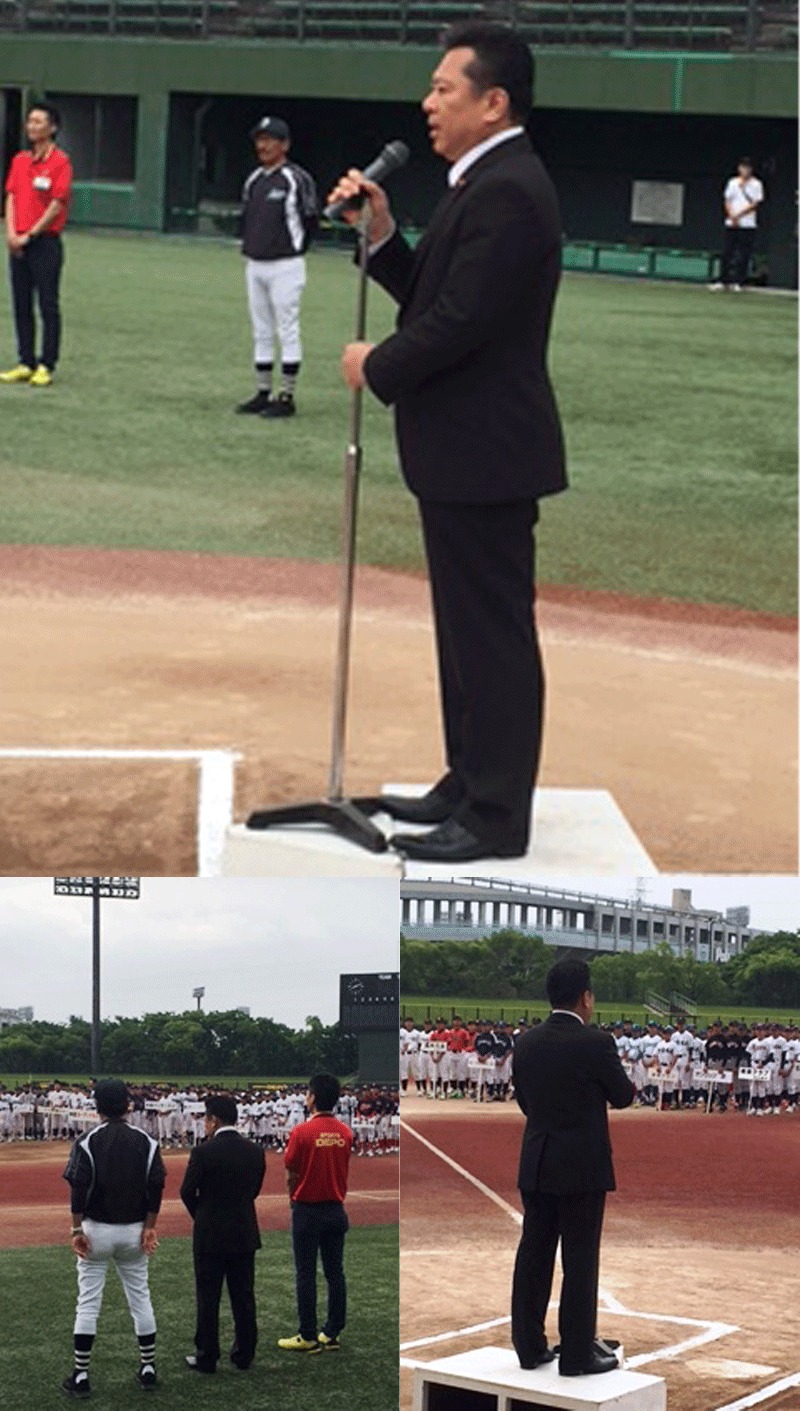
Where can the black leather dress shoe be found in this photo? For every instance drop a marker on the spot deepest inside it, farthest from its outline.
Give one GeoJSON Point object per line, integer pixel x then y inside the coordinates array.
{"type": "Point", "coordinates": [452, 842]}
{"type": "Point", "coordinates": [434, 807]}
{"type": "Point", "coordinates": [598, 1362]}
{"type": "Point", "coordinates": [195, 1366]}
{"type": "Point", "coordinates": [548, 1355]}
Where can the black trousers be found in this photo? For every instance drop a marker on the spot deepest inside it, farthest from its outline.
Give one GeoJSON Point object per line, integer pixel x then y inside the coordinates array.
{"type": "Point", "coordinates": [238, 1270]}
{"type": "Point", "coordinates": [481, 565]}
{"type": "Point", "coordinates": [319, 1228]}
{"type": "Point", "coordinates": [37, 269]}
{"type": "Point", "coordinates": [577, 1220]}
{"type": "Point", "coordinates": [736, 253]}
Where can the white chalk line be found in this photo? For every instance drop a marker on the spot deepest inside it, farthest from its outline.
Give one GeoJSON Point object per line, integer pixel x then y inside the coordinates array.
{"type": "Point", "coordinates": [753, 1398]}
{"type": "Point", "coordinates": [215, 789]}
{"type": "Point", "coordinates": [711, 1332]}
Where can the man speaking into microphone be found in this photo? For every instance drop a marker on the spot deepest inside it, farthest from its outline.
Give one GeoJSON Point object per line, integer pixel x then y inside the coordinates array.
{"type": "Point", "coordinates": [477, 427]}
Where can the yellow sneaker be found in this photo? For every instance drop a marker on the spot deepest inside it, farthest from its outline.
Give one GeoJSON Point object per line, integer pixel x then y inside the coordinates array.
{"type": "Point", "coordinates": [298, 1344]}
{"type": "Point", "coordinates": [42, 377]}
{"type": "Point", "coordinates": [20, 373]}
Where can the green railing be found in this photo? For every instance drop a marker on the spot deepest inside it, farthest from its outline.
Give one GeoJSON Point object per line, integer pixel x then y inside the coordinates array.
{"type": "Point", "coordinates": [716, 26]}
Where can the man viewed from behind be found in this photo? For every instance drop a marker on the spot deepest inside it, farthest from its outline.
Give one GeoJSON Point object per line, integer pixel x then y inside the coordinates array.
{"type": "Point", "coordinates": [565, 1074]}
{"type": "Point", "coordinates": [222, 1180]}
{"type": "Point", "coordinates": [38, 189]}
{"type": "Point", "coordinates": [117, 1177]}
{"type": "Point", "coordinates": [317, 1159]}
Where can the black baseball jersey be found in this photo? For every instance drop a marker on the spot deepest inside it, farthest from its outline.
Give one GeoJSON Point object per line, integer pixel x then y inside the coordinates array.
{"type": "Point", "coordinates": [279, 212]}
{"type": "Point", "coordinates": [484, 1045]}
{"type": "Point", "coordinates": [116, 1174]}
{"type": "Point", "coordinates": [503, 1044]}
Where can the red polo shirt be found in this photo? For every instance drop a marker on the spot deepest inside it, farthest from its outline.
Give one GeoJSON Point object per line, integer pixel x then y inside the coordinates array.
{"type": "Point", "coordinates": [35, 184]}
{"type": "Point", "coordinates": [319, 1150]}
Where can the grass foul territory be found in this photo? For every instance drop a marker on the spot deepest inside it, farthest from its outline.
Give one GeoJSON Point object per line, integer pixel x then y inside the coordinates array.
{"type": "Point", "coordinates": [679, 408]}
{"type": "Point", "coordinates": [420, 1007]}
{"type": "Point", "coordinates": [40, 1285]}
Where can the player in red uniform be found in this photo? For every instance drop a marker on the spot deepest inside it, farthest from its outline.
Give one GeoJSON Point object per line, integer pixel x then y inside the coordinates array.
{"type": "Point", "coordinates": [38, 189]}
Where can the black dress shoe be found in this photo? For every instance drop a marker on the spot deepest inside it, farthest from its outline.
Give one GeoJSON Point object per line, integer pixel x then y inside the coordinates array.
{"type": "Point", "coordinates": [549, 1355]}
{"type": "Point", "coordinates": [436, 806]}
{"type": "Point", "coordinates": [452, 842]}
{"type": "Point", "coordinates": [195, 1365]}
{"type": "Point", "coordinates": [597, 1362]}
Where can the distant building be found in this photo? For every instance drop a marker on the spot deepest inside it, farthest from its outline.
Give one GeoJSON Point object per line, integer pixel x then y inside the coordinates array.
{"type": "Point", "coordinates": [16, 1016]}
{"type": "Point", "coordinates": [470, 908]}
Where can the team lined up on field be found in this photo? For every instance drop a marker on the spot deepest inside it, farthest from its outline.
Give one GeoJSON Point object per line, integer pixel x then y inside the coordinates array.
{"type": "Point", "coordinates": [175, 1117]}
{"type": "Point", "coordinates": [754, 1069]}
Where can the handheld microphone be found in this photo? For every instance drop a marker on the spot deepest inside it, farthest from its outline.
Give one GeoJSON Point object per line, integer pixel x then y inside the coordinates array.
{"type": "Point", "coordinates": [394, 155]}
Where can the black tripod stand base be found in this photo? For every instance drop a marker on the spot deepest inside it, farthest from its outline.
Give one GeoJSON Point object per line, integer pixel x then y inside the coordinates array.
{"type": "Point", "coordinates": [340, 815]}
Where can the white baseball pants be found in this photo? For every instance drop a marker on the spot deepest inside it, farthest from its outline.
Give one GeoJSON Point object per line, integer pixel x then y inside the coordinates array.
{"type": "Point", "coordinates": [122, 1246]}
{"type": "Point", "coordinates": [274, 290]}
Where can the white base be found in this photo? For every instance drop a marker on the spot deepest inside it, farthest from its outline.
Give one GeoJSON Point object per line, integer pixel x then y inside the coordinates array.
{"type": "Point", "coordinates": [496, 1372]}
{"type": "Point", "coordinates": [578, 832]}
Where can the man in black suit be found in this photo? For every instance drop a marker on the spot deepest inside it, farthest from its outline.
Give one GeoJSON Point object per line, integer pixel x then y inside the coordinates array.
{"type": "Point", "coordinates": [565, 1074]}
{"type": "Point", "coordinates": [222, 1180]}
{"type": "Point", "coordinates": [477, 428]}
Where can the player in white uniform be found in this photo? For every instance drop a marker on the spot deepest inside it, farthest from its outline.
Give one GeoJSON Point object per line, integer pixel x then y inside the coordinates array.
{"type": "Point", "coordinates": [667, 1054]}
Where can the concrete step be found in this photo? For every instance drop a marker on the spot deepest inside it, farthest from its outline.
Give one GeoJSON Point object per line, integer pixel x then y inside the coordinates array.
{"type": "Point", "coordinates": [491, 1379]}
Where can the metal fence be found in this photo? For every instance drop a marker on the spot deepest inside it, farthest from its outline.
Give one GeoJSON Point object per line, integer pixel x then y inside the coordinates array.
{"type": "Point", "coordinates": [686, 25]}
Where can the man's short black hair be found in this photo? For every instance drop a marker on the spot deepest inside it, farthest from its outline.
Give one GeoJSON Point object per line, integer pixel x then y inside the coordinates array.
{"type": "Point", "coordinates": [326, 1090]}
{"type": "Point", "coordinates": [45, 107]}
{"type": "Point", "coordinates": [502, 60]}
{"type": "Point", "coordinates": [566, 982]}
{"type": "Point", "coordinates": [223, 1108]}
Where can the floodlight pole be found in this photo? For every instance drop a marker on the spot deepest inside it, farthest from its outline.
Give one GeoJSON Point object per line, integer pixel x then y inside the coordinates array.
{"type": "Point", "coordinates": [120, 888]}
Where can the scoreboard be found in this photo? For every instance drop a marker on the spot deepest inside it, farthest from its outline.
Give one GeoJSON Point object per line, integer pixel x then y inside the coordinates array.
{"type": "Point", "coordinates": [369, 1001]}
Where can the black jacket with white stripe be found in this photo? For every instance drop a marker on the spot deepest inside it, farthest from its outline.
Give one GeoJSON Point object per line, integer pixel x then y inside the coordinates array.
{"type": "Point", "coordinates": [279, 212]}
{"type": "Point", "coordinates": [116, 1174]}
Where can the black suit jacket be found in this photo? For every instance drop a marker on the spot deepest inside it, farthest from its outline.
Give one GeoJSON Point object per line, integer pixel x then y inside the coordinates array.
{"type": "Point", "coordinates": [466, 370]}
{"type": "Point", "coordinates": [222, 1180]}
{"type": "Point", "coordinates": [565, 1074]}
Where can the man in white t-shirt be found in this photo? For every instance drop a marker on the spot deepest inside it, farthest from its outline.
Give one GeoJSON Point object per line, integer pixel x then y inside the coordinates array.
{"type": "Point", "coordinates": [743, 196]}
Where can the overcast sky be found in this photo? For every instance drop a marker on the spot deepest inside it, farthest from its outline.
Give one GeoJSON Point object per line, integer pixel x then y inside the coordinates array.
{"type": "Point", "coordinates": [275, 945]}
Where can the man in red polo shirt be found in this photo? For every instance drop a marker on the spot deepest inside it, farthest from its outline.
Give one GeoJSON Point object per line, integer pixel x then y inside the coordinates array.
{"type": "Point", "coordinates": [38, 189]}
{"type": "Point", "coordinates": [317, 1159]}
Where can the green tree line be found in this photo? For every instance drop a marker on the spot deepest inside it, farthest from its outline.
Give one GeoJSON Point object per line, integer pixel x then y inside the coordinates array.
{"type": "Point", "coordinates": [510, 965]}
{"type": "Point", "coordinates": [221, 1043]}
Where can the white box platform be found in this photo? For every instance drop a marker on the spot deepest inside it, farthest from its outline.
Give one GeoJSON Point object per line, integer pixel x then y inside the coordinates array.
{"type": "Point", "coordinates": [496, 1373]}
{"type": "Point", "coordinates": [576, 832]}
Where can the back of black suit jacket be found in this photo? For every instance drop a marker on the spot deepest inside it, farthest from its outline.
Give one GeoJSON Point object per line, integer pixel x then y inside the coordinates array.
{"type": "Point", "coordinates": [466, 370]}
{"type": "Point", "coordinates": [222, 1180]}
{"type": "Point", "coordinates": [565, 1074]}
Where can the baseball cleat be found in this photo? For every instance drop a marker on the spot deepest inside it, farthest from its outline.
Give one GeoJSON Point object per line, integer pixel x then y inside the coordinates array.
{"type": "Point", "coordinates": [42, 377]}
{"type": "Point", "coordinates": [256, 405]}
{"type": "Point", "coordinates": [77, 1384]}
{"type": "Point", "coordinates": [146, 1376]}
{"type": "Point", "coordinates": [299, 1344]}
{"type": "Point", "coordinates": [282, 405]}
{"type": "Point", "coordinates": [20, 373]}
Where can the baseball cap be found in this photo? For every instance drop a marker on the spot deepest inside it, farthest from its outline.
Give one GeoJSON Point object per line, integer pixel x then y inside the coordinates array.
{"type": "Point", "coordinates": [271, 127]}
{"type": "Point", "coordinates": [111, 1097]}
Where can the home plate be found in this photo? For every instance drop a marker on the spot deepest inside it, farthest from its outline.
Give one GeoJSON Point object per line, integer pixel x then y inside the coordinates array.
{"type": "Point", "coordinates": [705, 1367]}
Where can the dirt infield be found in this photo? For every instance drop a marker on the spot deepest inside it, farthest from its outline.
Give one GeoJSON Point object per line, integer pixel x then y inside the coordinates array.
{"type": "Point", "coordinates": [704, 1227]}
{"type": "Point", "coordinates": [687, 715]}
{"type": "Point", "coordinates": [34, 1200]}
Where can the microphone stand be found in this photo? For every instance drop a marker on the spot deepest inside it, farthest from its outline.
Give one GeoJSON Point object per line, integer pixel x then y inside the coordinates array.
{"type": "Point", "coordinates": [335, 811]}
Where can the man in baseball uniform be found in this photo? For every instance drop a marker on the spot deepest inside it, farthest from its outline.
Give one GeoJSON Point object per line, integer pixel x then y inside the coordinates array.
{"type": "Point", "coordinates": [279, 218]}
{"type": "Point", "coordinates": [117, 1177]}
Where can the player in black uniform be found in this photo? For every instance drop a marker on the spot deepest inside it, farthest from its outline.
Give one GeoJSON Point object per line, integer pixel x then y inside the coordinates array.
{"type": "Point", "coordinates": [279, 218]}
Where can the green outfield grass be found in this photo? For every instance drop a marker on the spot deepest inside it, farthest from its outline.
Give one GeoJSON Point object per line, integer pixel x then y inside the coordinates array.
{"type": "Point", "coordinates": [420, 1008]}
{"type": "Point", "coordinates": [15, 1080]}
{"type": "Point", "coordinates": [39, 1285]}
{"type": "Point", "coordinates": [679, 408]}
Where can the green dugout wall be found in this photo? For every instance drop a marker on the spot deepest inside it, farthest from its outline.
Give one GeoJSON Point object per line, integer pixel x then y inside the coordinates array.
{"type": "Point", "coordinates": [602, 121]}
